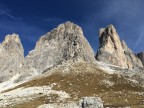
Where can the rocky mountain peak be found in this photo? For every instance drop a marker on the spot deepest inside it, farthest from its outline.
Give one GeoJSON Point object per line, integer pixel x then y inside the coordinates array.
{"type": "Point", "coordinates": [13, 44]}
{"type": "Point", "coordinates": [141, 56]}
{"type": "Point", "coordinates": [110, 49]}
{"type": "Point", "coordinates": [11, 56]}
{"type": "Point", "coordinates": [109, 30]}
{"type": "Point", "coordinates": [66, 42]}
{"type": "Point", "coordinates": [62, 32]}
{"type": "Point", "coordinates": [114, 51]}
{"type": "Point", "coordinates": [108, 37]}
{"type": "Point", "coordinates": [14, 37]}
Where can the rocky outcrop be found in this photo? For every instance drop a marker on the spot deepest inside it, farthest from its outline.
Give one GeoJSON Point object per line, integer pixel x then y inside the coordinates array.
{"type": "Point", "coordinates": [114, 51]}
{"type": "Point", "coordinates": [62, 44]}
{"type": "Point", "coordinates": [91, 102]}
{"type": "Point", "coordinates": [141, 57]}
{"type": "Point", "coordinates": [11, 56]}
{"type": "Point", "coordinates": [66, 42]}
{"type": "Point", "coordinates": [132, 59]}
{"type": "Point", "coordinates": [85, 102]}
{"type": "Point", "coordinates": [12, 44]}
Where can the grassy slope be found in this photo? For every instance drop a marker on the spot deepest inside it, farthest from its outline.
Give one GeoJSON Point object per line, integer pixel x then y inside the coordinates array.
{"type": "Point", "coordinates": [84, 79]}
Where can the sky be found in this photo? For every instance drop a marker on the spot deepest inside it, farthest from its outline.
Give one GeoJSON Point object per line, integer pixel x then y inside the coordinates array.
{"type": "Point", "coordinates": [34, 18]}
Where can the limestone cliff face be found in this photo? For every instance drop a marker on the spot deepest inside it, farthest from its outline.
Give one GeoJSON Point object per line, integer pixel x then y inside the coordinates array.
{"type": "Point", "coordinates": [66, 42]}
{"type": "Point", "coordinates": [11, 56]}
{"type": "Point", "coordinates": [13, 45]}
{"type": "Point", "coordinates": [141, 57]}
{"type": "Point", "coordinates": [62, 44]}
{"type": "Point", "coordinates": [132, 59]}
{"type": "Point", "coordinates": [113, 51]}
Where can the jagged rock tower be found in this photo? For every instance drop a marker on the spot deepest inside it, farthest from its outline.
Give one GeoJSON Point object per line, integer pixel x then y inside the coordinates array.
{"type": "Point", "coordinates": [114, 51]}
{"type": "Point", "coordinates": [64, 43]}
{"type": "Point", "coordinates": [11, 56]}
{"type": "Point", "coordinates": [141, 56]}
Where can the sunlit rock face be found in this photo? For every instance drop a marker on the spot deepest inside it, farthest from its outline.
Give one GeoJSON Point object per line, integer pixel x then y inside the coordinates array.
{"type": "Point", "coordinates": [11, 56]}
{"type": "Point", "coordinates": [114, 51]}
{"type": "Point", "coordinates": [132, 59]}
{"type": "Point", "coordinates": [66, 42]}
{"type": "Point", "coordinates": [141, 56]}
{"type": "Point", "coordinates": [12, 44]}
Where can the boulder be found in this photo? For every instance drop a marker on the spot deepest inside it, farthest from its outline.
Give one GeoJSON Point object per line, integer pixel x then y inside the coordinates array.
{"type": "Point", "coordinates": [91, 102]}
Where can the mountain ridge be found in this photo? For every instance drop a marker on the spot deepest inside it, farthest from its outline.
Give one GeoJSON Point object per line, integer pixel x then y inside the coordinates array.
{"type": "Point", "coordinates": [62, 69]}
{"type": "Point", "coordinates": [114, 51]}
{"type": "Point", "coordinates": [67, 42]}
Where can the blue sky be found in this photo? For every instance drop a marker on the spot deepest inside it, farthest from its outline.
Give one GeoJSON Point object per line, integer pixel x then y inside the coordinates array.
{"type": "Point", "coordinates": [33, 18]}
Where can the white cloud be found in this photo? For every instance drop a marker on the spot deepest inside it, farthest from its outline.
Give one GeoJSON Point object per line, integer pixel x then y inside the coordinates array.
{"type": "Point", "coordinates": [140, 39]}
{"type": "Point", "coordinates": [6, 12]}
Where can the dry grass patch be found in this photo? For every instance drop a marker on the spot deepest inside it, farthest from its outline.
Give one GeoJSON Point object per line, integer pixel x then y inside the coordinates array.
{"type": "Point", "coordinates": [84, 79]}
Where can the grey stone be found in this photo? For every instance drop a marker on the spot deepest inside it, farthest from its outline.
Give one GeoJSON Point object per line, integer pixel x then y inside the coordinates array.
{"type": "Point", "coordinates": [91, 102]}
{"type": "Point", "coordinates": [85, 102]}
{"type": "Point", "coordinates": [114, 51]}
{"type": "Point", "coordinates": [132, 60]}
{"type": "Point", "coordinates": [11, 57]}
{"type": "Point", "coordinates": [66, 42]}
{"type": "Point", "coordinates": [141, 57]}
